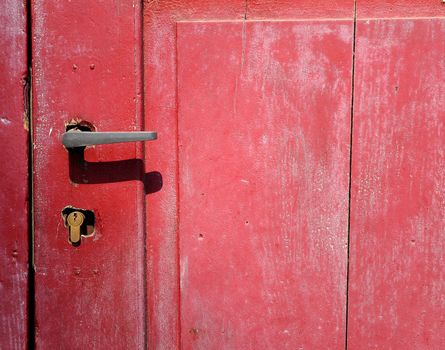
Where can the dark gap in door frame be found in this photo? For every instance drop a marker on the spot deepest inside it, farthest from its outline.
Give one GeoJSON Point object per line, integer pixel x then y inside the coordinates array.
{"type": "Point", "coordinates": [142, 170]}
{"type": "Point", "coordinates": [350, 173]}
{"type": "Point", "coordinates": [30, 184]}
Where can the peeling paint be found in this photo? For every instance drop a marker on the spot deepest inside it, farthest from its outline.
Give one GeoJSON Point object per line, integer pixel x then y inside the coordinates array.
{"type": "Point", "coordinates": [5, 121]}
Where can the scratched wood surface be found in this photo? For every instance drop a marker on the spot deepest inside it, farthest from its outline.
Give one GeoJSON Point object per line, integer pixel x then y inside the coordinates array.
{"type": "Point", "coordinates": [160, 19]}
{"type": "Point", "coordinates": [399, 9]}
{"type": "Point", "coordinates": [161, 156]}
{"type": "Point", "coordinates": [263, 115]}
{"type": "Point", "coordinates": [87, 65]}
{"type": "Point", "coordinates": [13, 176]}
{"type": "Point", "coordinates": [397, 266]}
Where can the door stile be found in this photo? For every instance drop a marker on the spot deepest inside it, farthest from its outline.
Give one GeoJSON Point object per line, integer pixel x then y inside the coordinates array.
{"type": "Point", "coordinates": [87, 64]}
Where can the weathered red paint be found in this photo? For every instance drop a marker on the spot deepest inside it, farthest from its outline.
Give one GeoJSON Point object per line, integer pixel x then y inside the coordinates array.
{"type": "Point", "coordinates": [263, 124]}
{"type": "Point", "coordinates": [160, 20]}
{"type": "Point", "coordinates": [14, 132]}
{"type": "Point", "coordinates": [160, 114]}
{"type": "Point", "coordinates": [399, 9]}
{"type": "Point", "coordinates": [87, 65]}
{"type": "Point", "coordinates": [246, 241]}
{"type": "Point", "coordinates": [397, 270]}
{"type": "Point", "coordinates": [301, 9]}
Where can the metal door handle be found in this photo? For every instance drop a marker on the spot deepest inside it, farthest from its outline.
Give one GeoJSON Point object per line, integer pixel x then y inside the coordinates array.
{"type": "Point", "coordinates": [76, 138]}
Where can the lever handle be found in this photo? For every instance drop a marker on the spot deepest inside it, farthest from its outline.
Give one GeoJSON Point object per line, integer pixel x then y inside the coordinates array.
{"type": "Point", "coordinates": [76, 138]}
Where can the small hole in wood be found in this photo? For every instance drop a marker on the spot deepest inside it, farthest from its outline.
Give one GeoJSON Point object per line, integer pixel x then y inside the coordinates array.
{"type": "Point", "coordinates": [81, 125]}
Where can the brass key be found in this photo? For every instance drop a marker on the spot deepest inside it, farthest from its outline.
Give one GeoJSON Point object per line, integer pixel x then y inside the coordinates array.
{"type": "Point", "coordinates": [75, 221]}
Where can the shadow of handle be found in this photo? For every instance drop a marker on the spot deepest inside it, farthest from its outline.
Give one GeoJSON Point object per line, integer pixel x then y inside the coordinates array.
{"type": "Point", "coordinates": [84, 172]}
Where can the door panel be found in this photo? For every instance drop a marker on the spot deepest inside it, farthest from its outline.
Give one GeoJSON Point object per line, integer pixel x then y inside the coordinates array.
{"type": "Point", "coordinates": [14, 133]}
{"type": "Point", "coordinates": [397, 269]}
{"type": "Point", "coordinates": [160, 77]}
{"type": "Point", "coordinates": [87, 66]}
{"type": "Point", "coordinates": [264, 132]}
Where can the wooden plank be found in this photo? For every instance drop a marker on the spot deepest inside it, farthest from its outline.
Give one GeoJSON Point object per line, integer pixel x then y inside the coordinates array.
{"type": "Point", "coordinates": [301, 9]}
{"type": "Point", "coordinates": [264, 132]}
{"type": "Point", "coordinates": [14, 133]}
{"type": "Point", "coordinates": [161, 157]}
{"type": "Point", "coordinates": [87, 65]}
{"type": "Point", "coordinates": [399, 9]}
{"type": "Point", "coordinates": [397, 267]}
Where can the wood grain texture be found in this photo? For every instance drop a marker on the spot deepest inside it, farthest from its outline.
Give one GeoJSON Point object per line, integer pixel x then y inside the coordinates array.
{"type": "Point", "coordinates": [301, 9]}
{"type": "Point", "coordinates": [87, 65]}
{"type": "Point", "coordinates": [160, 18]}
{"type": "Point", "coordinates": [14, 132]}
{"type": "Point", "coordinates": [399, 9]}
{"type": "Point", "coordinates": [397, 267]}
{"type": "Point", "coordinates": [263, 115]}
{"type": "Point", "coordinates": [161, 115]}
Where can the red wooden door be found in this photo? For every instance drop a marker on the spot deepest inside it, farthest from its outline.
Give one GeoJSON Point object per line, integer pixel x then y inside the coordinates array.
{"type": "Point", "coordinates": [245, 244]}
{"type": "Point", "coordinates": [231, 230]}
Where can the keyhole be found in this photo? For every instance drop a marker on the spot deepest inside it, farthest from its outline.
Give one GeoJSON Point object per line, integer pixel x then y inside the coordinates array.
{"type": "Point", "coordinates": [86, 223]}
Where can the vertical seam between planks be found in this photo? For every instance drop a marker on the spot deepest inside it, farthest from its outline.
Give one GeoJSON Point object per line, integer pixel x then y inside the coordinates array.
{"type": "Point", "coordinates": [28, 108]}
{"type": "Point", "coordinates": [350, 174]}
{"type": "Point", "coordinates": [178, 247]}
{"type": "Point", "coordinates": [143, 195]}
